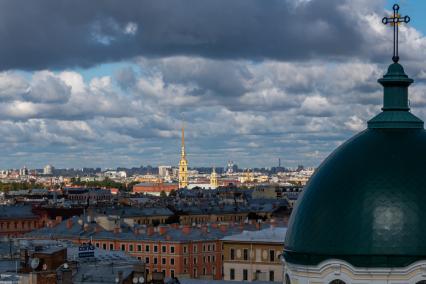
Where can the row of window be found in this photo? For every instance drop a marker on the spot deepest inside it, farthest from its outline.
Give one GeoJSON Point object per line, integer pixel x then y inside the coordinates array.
{"type": "Point", "coordinates": [245, 275]}
{"type": "Point", "coordinates": [194, 275]}
{"type": "Point", "coordinates": [245, 255]}
{"type": "Point", "coordinates": [138, 248]}
{"type": "Point", "coordinates": [163, 260]}
{"type": "Point", "coordinates": [28, 224]}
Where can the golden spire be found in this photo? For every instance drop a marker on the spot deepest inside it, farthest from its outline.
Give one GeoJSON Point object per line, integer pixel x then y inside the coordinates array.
{"type": "Point", "coordinates": [183, 164]}
{"type": "Point", "coordinates": [183, 142]}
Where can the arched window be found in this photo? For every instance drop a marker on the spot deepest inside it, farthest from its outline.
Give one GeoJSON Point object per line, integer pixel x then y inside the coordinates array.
{"type": "Point", "coordinates": [287, 279]}
{"type": "Point", "coordinates": [337, 281]}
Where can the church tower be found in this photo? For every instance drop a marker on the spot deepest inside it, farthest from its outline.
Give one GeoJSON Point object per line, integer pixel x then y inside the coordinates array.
{"type": "Point", "coordinates": [183, 164]}
{"type": "Point", "coordinates": [213, 179]}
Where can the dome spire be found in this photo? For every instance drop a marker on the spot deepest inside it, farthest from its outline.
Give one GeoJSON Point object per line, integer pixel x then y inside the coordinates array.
{"type": "Point", "coordinates": [394, 21]}
{"type": "Point", "coordinates": [396, 110]}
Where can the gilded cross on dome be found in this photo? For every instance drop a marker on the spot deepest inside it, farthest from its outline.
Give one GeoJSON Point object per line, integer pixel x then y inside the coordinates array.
{"type": "Point", "coordinates": [394, 21]}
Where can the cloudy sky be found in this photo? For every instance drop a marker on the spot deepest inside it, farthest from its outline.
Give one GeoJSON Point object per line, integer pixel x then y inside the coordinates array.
{"type": "Point", "coordinates": [109, 83]}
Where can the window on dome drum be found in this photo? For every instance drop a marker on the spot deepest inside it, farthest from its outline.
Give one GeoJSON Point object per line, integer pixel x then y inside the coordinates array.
{"type": "Point", "coordinates": [337, 281]}
{"type": "Point", "coordinates": [287, 279]}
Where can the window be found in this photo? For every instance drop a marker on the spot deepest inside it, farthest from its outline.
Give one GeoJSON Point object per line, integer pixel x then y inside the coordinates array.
{"type": "Point", "coordinates": [195, 272]}
{"type": "Point", "coordinates": [195, 260]}
{"type": "Point", "coordinates": [155, 248]}
{"type": "Point", "coordinates": [172, 249]}
{"type": "Point", "coordinates": [185, 249]}
{"type": "Point", "coordinates": [245, 274]}
{"type": "Point", "coordinates": [204, 271]}
{"type": "Point", "coordinates": [213, 247]}
{"type": "Point", "coordinates": [155, 260]}
{"type": "Point", "coordinates": [147, 248]}
{"type": "Point", "coordinates": [97, 245]}
{"type": "Point", "coordinates": [104, 246]}
{"type": "Point", "coordinates": [213, 271]}
{"type": "Point", "coordinates": [271, 255]}
{"type": "Point", "coordinates": [271, 276]}
{"type": "Point", "coordinates": [123, 247]}
{"type": "Point", "coordinates": [245, 254]}
{"type": "Point", "coordinates": [130, 247]}
{"type": "Point", "coordinates": [172, 273]}
{"type": "Point", "coordinates": [204, 247]}
{"type": "Point", "coordinates": [208, 258]}
{"type": "Point", "coordinates": [204, 259]}
{"type": "Point", "coordinates": [163, 261]}
{"type": "Point", "coordinates": [337, 281]}
{"type": "Point", "coordinates": [139, 247]}
{"type": "Point", "coordinates": [147, 260]}
{"type": "Point", "coordinates": [172, 261]}
{"type": "Point", "coordinates": [213, 258]}
{"type": "Point", "coordinates": [163, 249]}
{"type": "Point", "coordinates": [185, 261]}
{"type": "Point", "coordinates": [208, 247]}
{"type": "Point", "coordinates": [111, 246]}
{"type": "Point", "coordinates": [195, 248]}
{"type": "Point", "coordinates": [232, 254]}
{"type": "Point", "coordinates": [232, 274]}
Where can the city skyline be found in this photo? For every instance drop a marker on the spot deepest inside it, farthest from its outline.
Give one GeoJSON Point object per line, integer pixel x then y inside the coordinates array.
{"type": "Point", "coordinates": [100, 88]}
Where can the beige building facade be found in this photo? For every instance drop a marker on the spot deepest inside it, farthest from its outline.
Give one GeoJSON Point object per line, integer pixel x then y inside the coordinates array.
{"type": "Point", "coordinates": [254, 255]}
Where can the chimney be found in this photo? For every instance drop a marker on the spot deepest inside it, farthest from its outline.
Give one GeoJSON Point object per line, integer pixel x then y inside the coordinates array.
{"type": "Point", "coordinates": [162, 229]}
{"type": "Point", "coordinates": [150, 231]}
{"type": "Point", "coordinates": [116, 230]}
{"type": "Point", "coordinates": [186, 229]}
{"type": "Point", "coordinates": [223, 227]}
{"type": "Point", "coordinates": [258, 225]}
{"type": "Point", "coordinates": [136, 231]}
{"type": "Point", "coordinates": [241, 226]}
{"type": "Point", "coordinates": [58, 219]}
{"type": "Point", "coordinates": [273, 223]}
{"type": "Point", "coordinates": [69, 223]}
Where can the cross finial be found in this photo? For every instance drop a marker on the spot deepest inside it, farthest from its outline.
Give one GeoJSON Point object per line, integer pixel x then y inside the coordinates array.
{"type": "Point", "coordinates": [394, 21]}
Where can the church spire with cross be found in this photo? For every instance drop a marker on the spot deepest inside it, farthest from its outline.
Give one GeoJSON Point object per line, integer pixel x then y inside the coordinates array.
{"type": "Point", "coordinates": [395, 20]}
{"type": "Point", "coordinates": [396, 108]}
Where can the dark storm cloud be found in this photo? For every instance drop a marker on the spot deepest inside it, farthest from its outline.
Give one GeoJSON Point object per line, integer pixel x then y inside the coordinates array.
{"type": "Point", "coordinates": [59, 33]}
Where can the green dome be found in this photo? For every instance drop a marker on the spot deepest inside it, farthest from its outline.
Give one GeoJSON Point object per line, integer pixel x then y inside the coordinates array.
{"type": "Point", "coordinates": [366, 203]}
